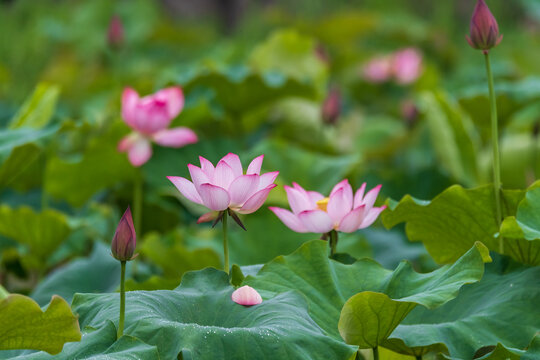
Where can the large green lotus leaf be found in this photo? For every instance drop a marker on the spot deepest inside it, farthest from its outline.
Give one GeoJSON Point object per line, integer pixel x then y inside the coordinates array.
{"type": "Point", "coordinates": [292, 54]}
{"type": "Point", "coordinates": [99, 344]}
{"type": "Point", "coordinates": [524, 228]}
{"type": "Point", "coordinates": [20, 162]}
{"type": "Point", "coordinates": [501, 308]}
{"type": "Point", "coordinates": [368, 318]}
{"type": "Point", "coordinates": [101, 167]}
{"type": "Point", "coordinates": [327, 284]}
{"type": "Point", "coordinates": [40, 234]}
{"type": "Point", "coordinates": [37, 110]}
{"type": "Point", "coordinates": [26, 326]}
{"type": "Point", "coordinates": [239, 90]}
{"type": "Point", "coordinates": [453, 137]}
{"type": "Point", "coordinates": [454, 220]}
{"type": "Point", "coordinates": [200, 318]}
{"type": "Point", "coordinates": [98, 273]}
{"type": "Point", "coordinates": [503, 353]}
{"type": "Point", "coordinates": [10, 139]}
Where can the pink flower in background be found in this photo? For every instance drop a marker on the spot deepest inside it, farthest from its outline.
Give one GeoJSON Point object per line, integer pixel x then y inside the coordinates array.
{"type": "Point", "coordinates": [149, 117]}
{"type": "Point", "coordinates": [341, 211]}
{"type": "Point", "coordinates": [331, 108]}
{"type": "Point", "coordinates": [225, 186]}
{"type": "Point", "coordinates": [247, 296]}
{"type": "Point", "coordinates": [407, 66]}
{"type": "Point", "coordinates": [378, 70]}
{"type": "Point", "coordinates": [115, 34]}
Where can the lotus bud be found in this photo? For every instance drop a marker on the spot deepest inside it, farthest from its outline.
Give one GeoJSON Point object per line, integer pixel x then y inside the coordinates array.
{"type": "Point", "coordinates": [247, 296]}
{"type": "Point", "coordinates": [124, 240]}
{"type": "Point", "coordinates": [484, 28]}
{"type": "Point", "coordinates": [115, 35]}
{"type": "Point", "coordinates": [331, 108]}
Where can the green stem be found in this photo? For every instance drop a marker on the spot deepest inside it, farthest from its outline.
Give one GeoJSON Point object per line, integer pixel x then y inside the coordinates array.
{"type": "Point", "coordinates": [225, 243]}
{"type": "Point", "coordinates": [376, 353]}
{"type": "Point", "coordinates": [122, 300]}
{"type": "Point", "coordinates": [137, 202]}
{"type": "Point", "coordinates": [333, 242]}
{"type": "Point", "coordinates": [495, 146]}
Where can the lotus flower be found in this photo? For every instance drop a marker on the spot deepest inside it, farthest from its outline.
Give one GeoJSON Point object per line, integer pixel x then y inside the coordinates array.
{"type": "Point", "coordinates": [331, 108]}
{"type": "Point", "coordinates": [378, 70]}
{"type": "Point", "coordinates": [149, 117]}
{"type": "Point", "coordinates": [225, 186]}
{"type": "Point", "coordinates": [484, 30]}
{"type": "Point", "coordinates": [407, 66]}
{"type": "Point", "coordinates": [341, 211]}
{"type": "Point", "coordinates": [247, 296]}
{"type": "Point", "coordinates": [125, 239]}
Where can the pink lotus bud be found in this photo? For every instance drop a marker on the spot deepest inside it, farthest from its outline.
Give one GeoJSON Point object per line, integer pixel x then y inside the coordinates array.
{"type": "Point", "coordinates": [331, 108]}
{"type": "Point", "coordinates": [247, 296]}
{"type": "Point", "coordinates": [124, 240]}
{"type": "Point", "coordinates": [115, 35]}
{"type": "Point", "coordinates": [407, 66]}
{"type": "Point", "coordinates": [484, 28]}
{"type": "Point", "coordinates": [378, 70]}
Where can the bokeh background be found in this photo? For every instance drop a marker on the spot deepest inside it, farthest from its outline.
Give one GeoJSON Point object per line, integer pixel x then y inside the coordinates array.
{"type": "Point", "coordinates": [288, 79]}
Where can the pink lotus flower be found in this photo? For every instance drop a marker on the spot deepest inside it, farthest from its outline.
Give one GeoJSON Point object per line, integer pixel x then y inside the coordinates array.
{"type": "Point", "coordinates": [341, 211]}
{"type": "Point", "coordinates": [149, 117]}
{"type": "Point", "coordinates": [407, 66]}
{"type": "Point", "coordinates": [125, 239]}
{"type": "Point", "coordinates": [247, 296]}
{"type": "Point", "coordinates": [484, 29]}
{"type": "Point", "coordinates": [378, 70]}
{"type": "Point", "coordinates": [115, 34]}
{"type": "Point", "coordinates": [226, 186]}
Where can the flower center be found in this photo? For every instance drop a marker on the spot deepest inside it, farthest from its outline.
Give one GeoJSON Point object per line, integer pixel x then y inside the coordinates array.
{"type": "Point", "coordinates": [322, 204]}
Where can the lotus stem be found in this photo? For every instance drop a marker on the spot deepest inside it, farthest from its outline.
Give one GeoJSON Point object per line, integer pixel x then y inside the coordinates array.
{"type": "Point", "coordinates": [495, 147]}
{"type": "Point", "coordinates": [225, 243]}
{"type": "Point", "coordinates": [333, 242]}
{"type": "Point", "coordinates": [122, 300]}
{"type": "Point", "coordinates": [376, 353]}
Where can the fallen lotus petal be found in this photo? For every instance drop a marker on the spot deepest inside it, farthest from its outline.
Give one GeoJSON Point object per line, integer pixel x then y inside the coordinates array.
{"type": "Point", "coordinates": [247, 296]}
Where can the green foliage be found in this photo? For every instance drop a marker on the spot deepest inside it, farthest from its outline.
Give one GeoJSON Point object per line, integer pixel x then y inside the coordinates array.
{"type": "Point", "coordinates": [101, 166]}
{"type": "Point", "coordinates": [457, 218]}
{"type": "Point", "coordinates": [26, 326]}
{"type": "Point", "coordinates": [453, 136]}
{"type": "Point", "coordinates": [327, 284]}
{"type": "Point", "coordinates": [38, 233]}
{"type": "Point", "coordinates": [486, 313]}
{"type": "Point", "coordinates": [38, 109]}
{"type": "Point", "coordinates": [200, 320]}
{"type": "Point", "coordinates": [368, 318]}
{"type": "Point", "coordinates": [97, 344]}
{"type": "Point", "coordinates": [100, 272]}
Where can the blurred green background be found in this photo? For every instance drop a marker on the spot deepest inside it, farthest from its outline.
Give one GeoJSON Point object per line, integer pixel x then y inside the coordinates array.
{"type": "Point", "coordinates": [256, 75]}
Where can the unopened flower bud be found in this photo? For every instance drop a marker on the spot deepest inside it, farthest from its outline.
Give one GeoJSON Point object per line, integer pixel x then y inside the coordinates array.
{"type": "Point", "coordinates": [115, 35]}
{"type": "Point", "coordinates": [331, 108]}
{"type": "Point", "coordinates": [484, 28]}
{"type": "Point", "coordinates": [124, 240]}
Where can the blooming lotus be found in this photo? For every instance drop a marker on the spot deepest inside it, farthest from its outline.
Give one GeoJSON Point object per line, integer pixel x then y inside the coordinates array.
{"type": "Point", "coordinates": [247, 296]}
{"type": "Point", "coordinates": [407, 66]}
{"type": "Point", "coordinates": [484, 30]}
{"type": "Point", "coordinates": [341, 211]}
{"type": "Point", "coordinates": [149, 117]}
{"type": "Point", "coordinates": [378, 70]}
{"type": "Point", "coordinates": [225, 186]}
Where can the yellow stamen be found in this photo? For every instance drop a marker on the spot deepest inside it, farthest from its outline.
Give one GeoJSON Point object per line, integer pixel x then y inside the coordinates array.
{"type": "Point", "coordinates": [323, 203]}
